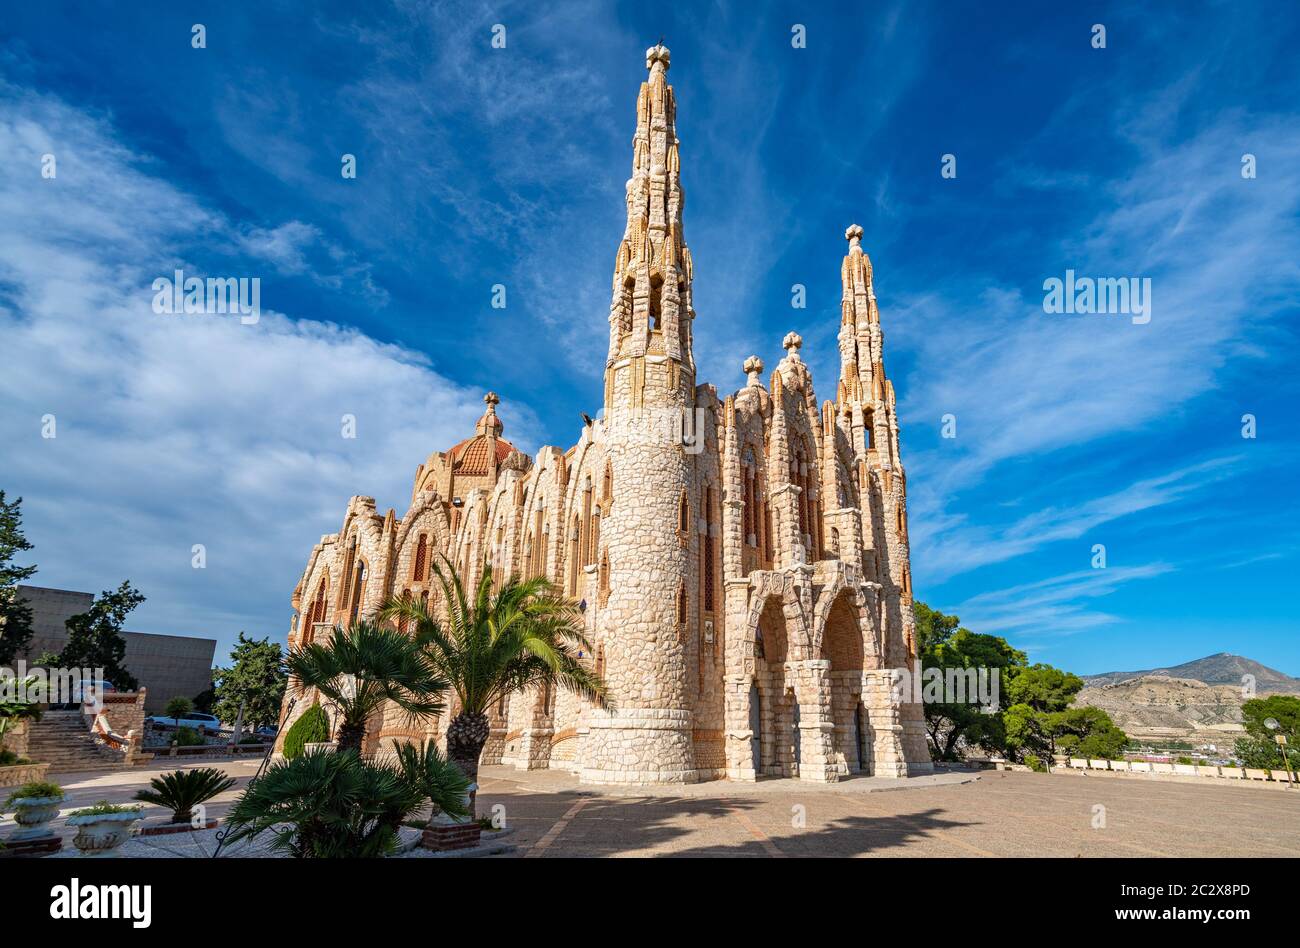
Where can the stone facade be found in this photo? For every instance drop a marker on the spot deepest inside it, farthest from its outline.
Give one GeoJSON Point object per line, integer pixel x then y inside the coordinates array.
{"type": "Point", "coordinates": [742, 561]}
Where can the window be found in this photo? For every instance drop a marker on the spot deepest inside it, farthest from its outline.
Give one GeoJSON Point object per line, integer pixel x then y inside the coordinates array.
{"type": "Point", "coordinates": [421, 555]}
{"type": "Point", "coordinates": [684, 514]}
{"type": "Point", "coordinates": [706, 548]}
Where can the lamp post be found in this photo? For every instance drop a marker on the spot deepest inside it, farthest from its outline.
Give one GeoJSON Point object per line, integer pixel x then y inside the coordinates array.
{"type": "Point", "coordinates": [1280, 740]}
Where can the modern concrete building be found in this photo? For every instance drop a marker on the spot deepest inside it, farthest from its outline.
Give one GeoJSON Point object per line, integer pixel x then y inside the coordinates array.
{"type": "Point", "coordinates": [167, 665]}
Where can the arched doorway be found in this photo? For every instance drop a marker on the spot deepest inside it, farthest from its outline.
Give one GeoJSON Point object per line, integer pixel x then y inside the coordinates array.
{"type": "Point", "coordinates": [842, 646]}
{"type": "Point", "coordinates": [777, 707]}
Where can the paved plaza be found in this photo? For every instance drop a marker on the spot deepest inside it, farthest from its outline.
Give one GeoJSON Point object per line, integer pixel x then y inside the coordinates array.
{"type": "Point", "coordinates": [993, 813]}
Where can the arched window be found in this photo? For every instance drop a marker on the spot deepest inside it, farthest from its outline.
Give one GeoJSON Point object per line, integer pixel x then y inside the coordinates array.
{"type": "Point", "coordinates": [607, 489]}
{"type": "Point", "coordinates": [706, 549]}
{"type": "Point", "coordinates": [358, 590]}
{"type": "Point", "coordinates": [684, 514]}
{"type": "Point", "coordinates": [421, 555]}
{"type": "Point", "coordinates": [404, 626]}
{"type": "Point", "coordinates": [681, 604]}
{"type": "Point", "coordinates": [870, 423]}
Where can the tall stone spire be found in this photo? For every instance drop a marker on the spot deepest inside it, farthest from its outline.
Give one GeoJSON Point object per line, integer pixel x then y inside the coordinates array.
{"type": "Point", "coordinates": [650, 313]}
{"type": "Point", "coordinates": [646, 733]}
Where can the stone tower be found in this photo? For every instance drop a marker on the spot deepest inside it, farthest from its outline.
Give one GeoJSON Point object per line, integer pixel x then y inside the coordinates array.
{"type": "Point", "coordinates": [645, 735]}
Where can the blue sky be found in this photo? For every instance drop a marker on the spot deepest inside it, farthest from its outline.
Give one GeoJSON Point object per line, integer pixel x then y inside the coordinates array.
{"type": "Point", "coordinates": [479, 166]}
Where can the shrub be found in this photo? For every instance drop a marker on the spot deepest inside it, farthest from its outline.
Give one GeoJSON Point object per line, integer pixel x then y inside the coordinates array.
{"type": "Point", "coordinates": [104, 808]}
{"type": "Point", "coordinates": [37, 788]}
{"type": "Point", "coordinates": [312, 728]}
{"type": "Point", "coordinates": [188, 737]}
{"type": "Point", "coordinates": [9, 759]}
{"type": "Point", "coordinates": [182, 790]}
{"type": "Point", "coordinates": [1035, 763]}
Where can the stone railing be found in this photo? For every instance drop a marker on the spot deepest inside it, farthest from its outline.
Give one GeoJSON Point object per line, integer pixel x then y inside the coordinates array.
{"type": "Point", "coordinates": [1160, 768]}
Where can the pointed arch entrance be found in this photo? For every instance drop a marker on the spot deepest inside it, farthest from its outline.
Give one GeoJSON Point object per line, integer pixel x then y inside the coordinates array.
{"type": "Point", "coordinates": [842, 646]}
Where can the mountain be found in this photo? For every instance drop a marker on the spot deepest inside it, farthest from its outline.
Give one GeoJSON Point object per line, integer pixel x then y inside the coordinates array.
{"type": "Point", "coordinates": [1152, 707]}
{"type": "Point", "coordinates": [1221, 669]}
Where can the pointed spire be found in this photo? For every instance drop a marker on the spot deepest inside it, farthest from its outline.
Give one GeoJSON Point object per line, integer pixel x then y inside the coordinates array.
{"type": "Point", "coordinates": [651, 305]}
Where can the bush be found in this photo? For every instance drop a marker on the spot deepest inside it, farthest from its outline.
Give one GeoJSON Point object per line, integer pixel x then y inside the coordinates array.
{"type": "Point", "coordinates": [10, 759]}
{"type": "Point", "coordinates": [104, 808]}
{"type": "Point", "coordinates": [312, 728]}
{"type": "Point", "coordinates": [188, 737]}
{"type": "Point", "coordinates": [37, 788]}
{"type": "Point", "coordinates": [1035, 763]}
{"type": "Point", "coordinates": [182, 790]}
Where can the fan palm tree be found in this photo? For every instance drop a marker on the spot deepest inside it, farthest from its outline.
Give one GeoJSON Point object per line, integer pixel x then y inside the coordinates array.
{"type": "Point", "coordinates": [524, 634]}
{"type": "Point", "coordinates": [323, 805]}
{"type": "Point", "coordinates": [363, 666]}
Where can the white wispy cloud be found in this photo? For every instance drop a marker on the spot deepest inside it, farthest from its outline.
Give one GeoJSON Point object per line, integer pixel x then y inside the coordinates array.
{"type": "Point", "coordinates": [175, 431]}
{"type": "Point", "coordinates": [1059, 605]}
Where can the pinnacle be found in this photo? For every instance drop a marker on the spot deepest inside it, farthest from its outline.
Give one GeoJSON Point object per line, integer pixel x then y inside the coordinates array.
{"type": "Point", "coordinates": [657, 54]}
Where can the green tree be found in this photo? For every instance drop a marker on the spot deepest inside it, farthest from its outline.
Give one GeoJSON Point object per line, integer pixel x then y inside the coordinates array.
{"type": "Point", "coordinates": [944, 645]}
{"type": "Point", "coordinates": [362, 667]}
{"type": "Point", "coordinates": [1086, 731]}
{"type": "Point", "coordinates": [178, 708]}
{"type": "Point", "coordinates": [15, 614]}
{"type": "Point", "coordinates": [1043, 687]}
{"type": "Point", "coordinates": [1260, 748]}
{"type": "Point", "coordinates": [255, 682]}
{"type": "Point", "coordinates": [1285, 709]}
{"type": "Point", "coordinates": [512, 635]}
{"type": "Point", "coordinates": [95, 636]}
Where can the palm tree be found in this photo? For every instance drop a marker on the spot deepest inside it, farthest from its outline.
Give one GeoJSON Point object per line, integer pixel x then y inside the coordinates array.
{"type": "Point", "coordinates": [323, 805]}
{"type": "Point", "coordinates": [363, 666]}
{"type": "Point", "coordinates": [524, 634]}
{"type": "Point", "coordinates": [182, 790]}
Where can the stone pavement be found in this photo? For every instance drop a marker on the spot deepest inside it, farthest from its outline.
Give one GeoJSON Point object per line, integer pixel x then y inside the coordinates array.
{"type": "Point", "coordinates": [999, 814]}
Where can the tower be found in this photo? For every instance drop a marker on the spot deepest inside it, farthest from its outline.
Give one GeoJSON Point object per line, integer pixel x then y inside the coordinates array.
{"type": "Point", "coordinates": [645, 734]}
{"type": "Point", "coordinates": [867, 399]}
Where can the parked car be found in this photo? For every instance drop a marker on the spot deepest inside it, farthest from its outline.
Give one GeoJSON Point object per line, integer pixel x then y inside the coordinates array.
{"type": "Point", "coordinates": [203, 723]}
{"type": "Point", "coordinates": [268, 731]}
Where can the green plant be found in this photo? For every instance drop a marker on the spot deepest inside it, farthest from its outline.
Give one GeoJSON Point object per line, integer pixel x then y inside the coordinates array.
{"type": "Point", "coordinates": [439, 780]}
{"type": "Point", "coordinates": [188, 737]}
{"type": "Point", "coordinates": [1185, 760]}
{"type": "Point", "coordinates": [178, 707]}
{"type": "Point", "coordinates": [329, 805]}
{"type": "Point", "coordinates": [10, 759]}
{"type": "Point", "coordinates": [362, 668]}
{"type": "Point", "coordinates": [13, 710]}
{"type": "Point", "coordinates": [313, 727]}
{"type": "Point", "coordinates": [36, 788]}
{"type": "Point", "coordinates": [253, 684]}
{"type": "Point", "coordinates": [1035, 763]}
{"type": "Point", "coordinates": [182, 790]}
{"type": "Point", "coordinates": [515, 634]}
{"type": "Point", "coordinates": [104, 808]}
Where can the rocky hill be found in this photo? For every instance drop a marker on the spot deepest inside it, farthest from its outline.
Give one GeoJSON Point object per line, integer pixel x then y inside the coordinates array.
{"type": "Point", "coordinates": [1198, 701]}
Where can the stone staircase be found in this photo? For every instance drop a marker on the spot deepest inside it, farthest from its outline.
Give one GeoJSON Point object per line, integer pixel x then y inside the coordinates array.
{"type": "Point", "coordinates": [63, 740]}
